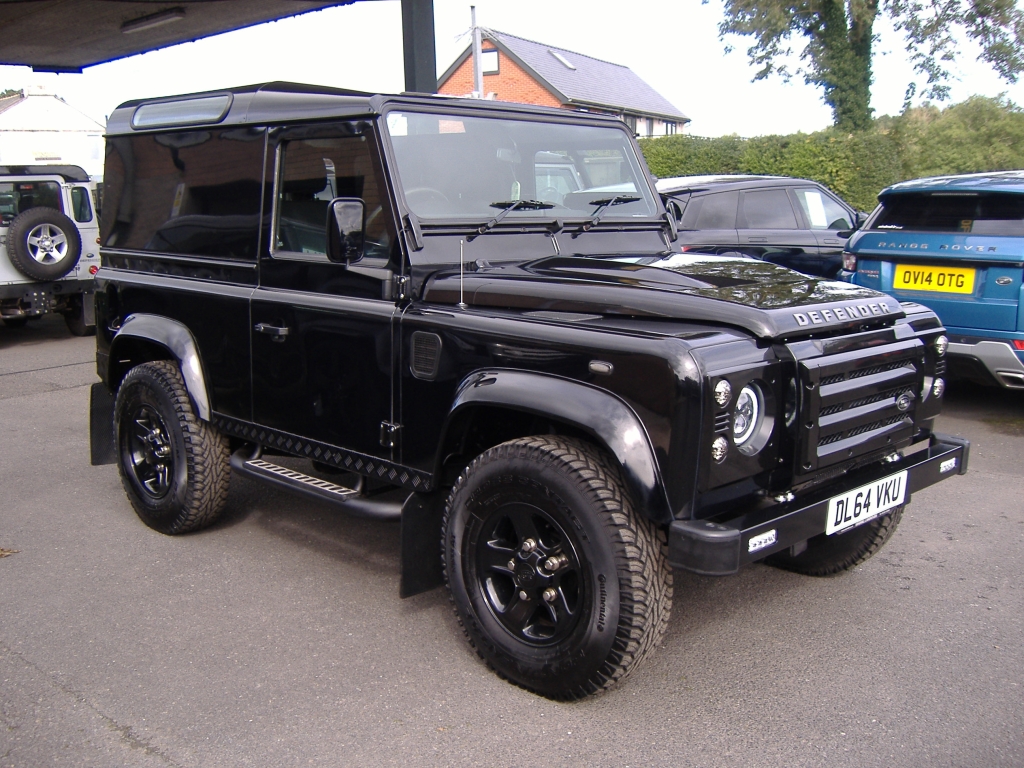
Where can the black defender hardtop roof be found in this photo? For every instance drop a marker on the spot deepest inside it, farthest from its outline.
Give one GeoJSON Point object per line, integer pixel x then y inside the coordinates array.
{"type": "Point", "coordinates": [281, 102]}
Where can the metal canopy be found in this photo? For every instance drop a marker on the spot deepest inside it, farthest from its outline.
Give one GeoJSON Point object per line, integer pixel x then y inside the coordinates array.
{"type": "Point", "coordinates": [69, 35]}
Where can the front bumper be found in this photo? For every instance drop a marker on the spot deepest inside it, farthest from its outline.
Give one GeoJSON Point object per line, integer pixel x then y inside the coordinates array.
{"type": "Point", "coordinates": [719, 547]}
{"type": "Point", "coordinates": [997, 357]}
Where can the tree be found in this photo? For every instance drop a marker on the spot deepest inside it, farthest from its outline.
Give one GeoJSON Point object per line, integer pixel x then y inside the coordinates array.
{"type": "Point", "coordinates": [9, 92]}
{"type": "Point", "coordinates": [838, 34]}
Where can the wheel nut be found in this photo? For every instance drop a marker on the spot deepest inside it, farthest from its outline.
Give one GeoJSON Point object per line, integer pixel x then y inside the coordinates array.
{"type": "Point", "coordinates": [549, 595]}
{"type": "Point", "coordinates": [523, 595]}
{"type": "Point", "coordinates": [528, 546]}
{"type": "Point", "coordinates": [552, 564]}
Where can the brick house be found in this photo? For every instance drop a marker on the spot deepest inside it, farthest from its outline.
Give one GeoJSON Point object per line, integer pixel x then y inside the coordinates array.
{"type": "Point", "coordinates": [515, 69]}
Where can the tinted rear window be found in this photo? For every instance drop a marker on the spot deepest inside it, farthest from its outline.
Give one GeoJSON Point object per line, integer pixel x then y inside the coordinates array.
{"type": "Point", "coordinates": [979, 214]}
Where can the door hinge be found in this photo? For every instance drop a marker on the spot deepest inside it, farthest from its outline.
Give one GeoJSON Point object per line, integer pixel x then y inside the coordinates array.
{"type": "Point", "coordinates": [401, 287]}
{"type": "Point", "coordinates": [388, 431]}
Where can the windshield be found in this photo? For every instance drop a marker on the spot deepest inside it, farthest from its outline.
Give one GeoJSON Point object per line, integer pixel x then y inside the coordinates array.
{"type": "Point", "coordinates": [454, 166]}
{"type": "Point", "coordinates": [953, 212]}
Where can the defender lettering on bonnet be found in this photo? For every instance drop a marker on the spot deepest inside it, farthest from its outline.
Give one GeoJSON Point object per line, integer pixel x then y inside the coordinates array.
{"type": "Point", "coordinates": [844, 312]}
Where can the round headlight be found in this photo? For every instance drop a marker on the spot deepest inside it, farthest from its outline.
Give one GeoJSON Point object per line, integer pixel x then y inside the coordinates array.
{"type": "Point", "coordinates": [941, 344]}
{"type": "Point", "coordinates": [747, 415]}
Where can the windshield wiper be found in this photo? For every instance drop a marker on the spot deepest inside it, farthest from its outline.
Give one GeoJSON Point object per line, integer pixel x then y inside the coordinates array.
{"type": "Point", "coordinates": [602, 204]}
{"type": "Point", "coordinates": [512, 205]}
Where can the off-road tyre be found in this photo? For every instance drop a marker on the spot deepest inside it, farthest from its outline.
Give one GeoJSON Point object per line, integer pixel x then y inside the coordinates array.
{"type": "Point", "coordinates": [174, 467]}
{"type": "Point", "coordinates": [830, 555]}
{"type": "Point", "coordinates": [612, 595]}
{"type": "Point", "coordinates": [43, 244]}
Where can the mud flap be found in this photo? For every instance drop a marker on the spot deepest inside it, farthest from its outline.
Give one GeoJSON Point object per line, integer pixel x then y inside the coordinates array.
{"type": "Point", "coordinates": [101, 425]}
{"type": "Point", "coordinates": [421, 543]}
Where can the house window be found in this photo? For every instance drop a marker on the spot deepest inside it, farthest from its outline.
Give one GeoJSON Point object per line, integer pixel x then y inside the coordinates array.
{"type": "Point", "coordinates": [630, 120]}
{"type": "Point", "coordinates": [489, 62]}
{"type": "Point", "coordinates": [650, 127]}
{"type": "Point", "coordinates": [670, 128]}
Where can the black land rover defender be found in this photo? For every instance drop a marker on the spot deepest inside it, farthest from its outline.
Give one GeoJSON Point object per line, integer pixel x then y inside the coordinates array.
{"type": "Point", "coordinates": [556, 403]}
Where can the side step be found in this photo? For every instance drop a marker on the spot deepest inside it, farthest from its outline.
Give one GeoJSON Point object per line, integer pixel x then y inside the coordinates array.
{"type": "Point", "coordinates": [306, 485]}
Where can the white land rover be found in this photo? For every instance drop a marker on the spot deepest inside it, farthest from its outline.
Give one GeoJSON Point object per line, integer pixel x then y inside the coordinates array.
{"type": "Point", "coordinates": [49, 245]}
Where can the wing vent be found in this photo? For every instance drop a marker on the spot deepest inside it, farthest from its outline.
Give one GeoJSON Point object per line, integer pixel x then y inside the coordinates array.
{"type": "Point", "coordinates": [426, 355]}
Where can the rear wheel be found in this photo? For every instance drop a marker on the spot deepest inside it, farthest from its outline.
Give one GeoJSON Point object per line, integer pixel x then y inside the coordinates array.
{"type": "Point", "coordinates": [174, 467]}
{"type": "Point", "coordinates": [829, 555]}
{"type": "Point", "coordinates": [559, 585]}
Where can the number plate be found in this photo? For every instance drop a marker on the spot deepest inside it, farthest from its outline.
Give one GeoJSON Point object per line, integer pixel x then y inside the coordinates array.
{"type": "Point", "coordinates": [912, 277]}
{"type": "Point", "coordinates": [864, 503]}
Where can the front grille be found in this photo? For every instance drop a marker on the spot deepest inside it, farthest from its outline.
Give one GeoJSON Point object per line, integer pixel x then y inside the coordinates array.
{"type": "Point", "coordinates": [857, 402]}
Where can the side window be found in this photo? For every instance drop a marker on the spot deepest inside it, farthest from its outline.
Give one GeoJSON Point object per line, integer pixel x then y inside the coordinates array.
{"type": "Point", "coordinates": [314, 171]}
{"type": "Point", "coordinates": [821, 211]}
{"type": "Point", "coordinates": [715, 211]}
{"type": "Point", "coordinates": [80, 204]}
{"type": "Point", "coordinates": [196, 193]}
{"type": "Point", "coordinates": [767, 209]}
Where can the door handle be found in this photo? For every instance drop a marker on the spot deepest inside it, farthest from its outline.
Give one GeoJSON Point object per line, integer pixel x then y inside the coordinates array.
{"type": "Point", "coordinates": [276, 333]}
{"type": "Point", "coordinates": [757, 239]}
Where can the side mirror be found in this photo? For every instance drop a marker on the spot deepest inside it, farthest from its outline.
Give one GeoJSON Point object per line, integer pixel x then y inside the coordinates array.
{"type": "Point", "coordinates": [861, 219]}
{"type": "Point", "coordinates": [346, 222]}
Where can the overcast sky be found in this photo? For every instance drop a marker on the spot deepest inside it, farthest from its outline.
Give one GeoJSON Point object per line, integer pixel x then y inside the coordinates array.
{"type": "Point", "coordinates": [671, 44]}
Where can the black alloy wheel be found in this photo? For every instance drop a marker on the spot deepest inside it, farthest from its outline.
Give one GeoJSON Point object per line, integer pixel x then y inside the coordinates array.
{"type": "Point", "coordinates": [559, 585]}
{"type": "Point", "coordinates": [149, 453]}
{"type": "Point", "coordinates": [529, 573]}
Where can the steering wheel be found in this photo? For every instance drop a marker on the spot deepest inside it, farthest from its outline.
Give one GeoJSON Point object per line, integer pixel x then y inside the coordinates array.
{"type": "Point", "coordinates": [551, 195]}
{"type": "Point", "coordinates": [426, 196]}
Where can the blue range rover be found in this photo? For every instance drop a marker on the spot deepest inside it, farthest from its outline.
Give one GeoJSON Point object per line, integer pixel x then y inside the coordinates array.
{"type": "Point", "coordinates": [956, 245]}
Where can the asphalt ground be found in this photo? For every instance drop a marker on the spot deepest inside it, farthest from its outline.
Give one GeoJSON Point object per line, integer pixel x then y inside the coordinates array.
{"type": "Point", "coordinates": [277, 638]}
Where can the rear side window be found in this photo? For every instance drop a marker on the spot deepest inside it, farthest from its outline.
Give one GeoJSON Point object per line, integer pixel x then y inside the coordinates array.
{"type": "Point", "coordinates": [195, 193]}
{"type": "Point", "coordinates": [715, 211]}
{"type": "Point", "coordinates": [81, 204]}
{"type": "Point", "coordinates": [767, 209]}
{"type": "Point", "coordinates": [953, 212]}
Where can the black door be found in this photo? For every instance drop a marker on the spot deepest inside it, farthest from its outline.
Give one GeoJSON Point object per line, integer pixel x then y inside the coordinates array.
{"type": "Point", "coordinates": [767, 220]}
{"type": "Point", "coordinates": [832, 223]}
{"type": "Point", "coordinates": [322, 333]}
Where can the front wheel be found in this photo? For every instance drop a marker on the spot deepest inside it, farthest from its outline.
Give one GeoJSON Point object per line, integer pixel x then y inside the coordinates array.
{"type": "Point", "coordinates": [830, 555]}
{"type": "Point", "coordinates": [559, 585]}
{"type": "Point", "coordinates": [174, 467]}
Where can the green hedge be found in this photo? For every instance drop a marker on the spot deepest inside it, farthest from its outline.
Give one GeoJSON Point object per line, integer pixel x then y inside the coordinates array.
{"type": "Point", "coordinates": [980, 134]}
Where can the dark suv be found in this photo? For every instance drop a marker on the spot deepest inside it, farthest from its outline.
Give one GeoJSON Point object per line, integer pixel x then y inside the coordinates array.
{"type": "Point", "coordinates": [793, 222]}
{"type": "Point", "coordinates": [366, 300]}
